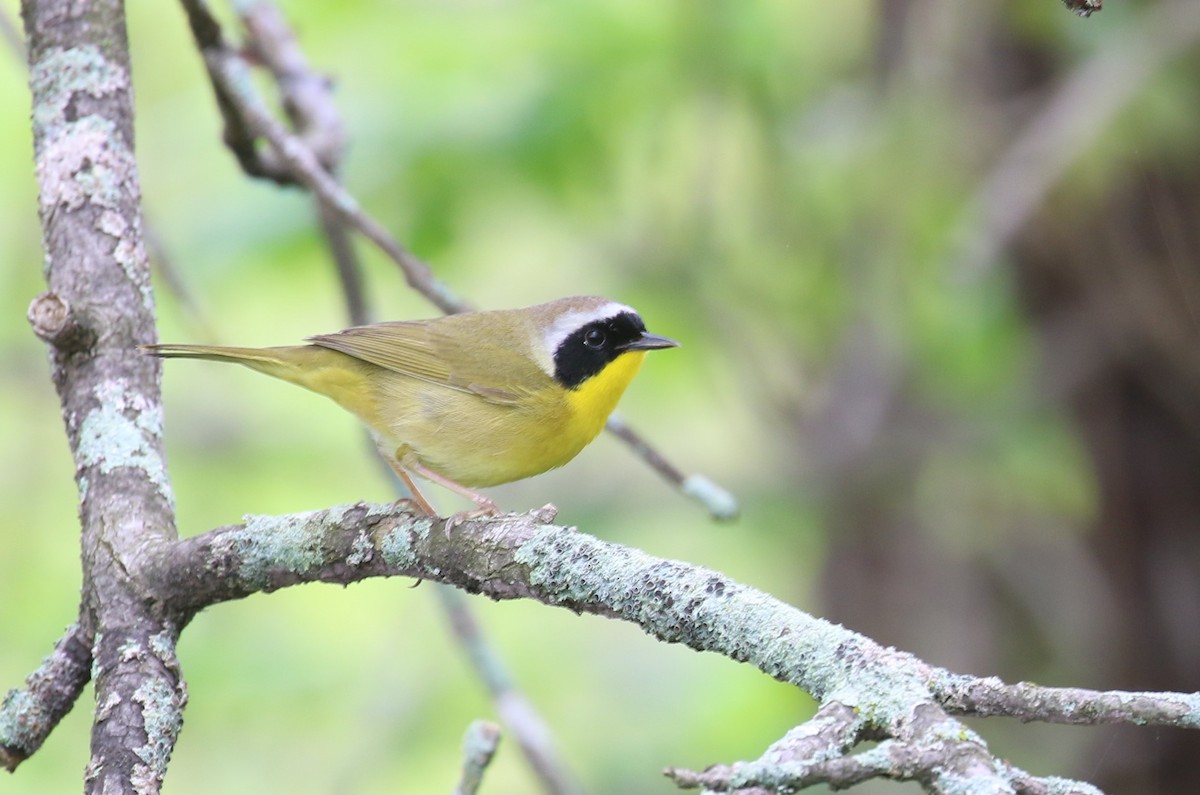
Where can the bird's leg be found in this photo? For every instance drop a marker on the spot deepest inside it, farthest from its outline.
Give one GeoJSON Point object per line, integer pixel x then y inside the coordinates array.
{"type": "Point", "coordinates": [486, 506]}
{"type": "Point", "coordinates": [418, 499]}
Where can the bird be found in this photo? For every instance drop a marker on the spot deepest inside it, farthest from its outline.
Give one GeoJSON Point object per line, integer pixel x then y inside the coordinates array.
{"type": "Point", "coordinates": [468, 400]}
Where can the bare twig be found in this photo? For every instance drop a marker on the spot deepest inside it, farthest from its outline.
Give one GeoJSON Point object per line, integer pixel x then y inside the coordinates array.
{"type": "Point", "coordinates": [249, 119]}
{"type": "Point", "coordinates": [719, 503]}
{"type": "Point", "coordinates": [969, 695]}
{"type": "Point", "coordinates": [349, 267]}
{"type": "Point", "coordinates": [523, 720]}
{"type": "Point", "coordinates": [308, 102]}
{"type": "Point", "coordinates": [307, 96]}
{"type": "Point", "coordinates": [479, 746]}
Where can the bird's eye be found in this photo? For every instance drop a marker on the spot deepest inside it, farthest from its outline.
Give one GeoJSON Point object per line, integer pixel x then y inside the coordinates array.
{"type": "Point", "coordinates": [594, 339]}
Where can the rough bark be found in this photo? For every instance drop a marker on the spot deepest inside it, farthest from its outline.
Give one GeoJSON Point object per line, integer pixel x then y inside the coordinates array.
{"type": "Point", "coordinates": [97, 309]}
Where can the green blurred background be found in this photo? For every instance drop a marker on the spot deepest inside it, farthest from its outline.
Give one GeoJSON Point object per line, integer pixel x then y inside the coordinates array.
{"type": "Point", "coordinates": [960, 416]}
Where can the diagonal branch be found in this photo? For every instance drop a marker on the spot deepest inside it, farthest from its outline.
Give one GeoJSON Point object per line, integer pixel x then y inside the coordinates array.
{"type": "Point", "coordinates": [248, 120]}
{"type": "Point", "coordinates": [528, 727]}
{"type": "Point", "coordinates": [522, 556]}
{"type": "Point", "coordinates": [30, 713]}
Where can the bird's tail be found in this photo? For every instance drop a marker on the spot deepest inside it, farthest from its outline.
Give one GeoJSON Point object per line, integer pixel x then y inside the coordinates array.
{"type": "Point", "coordinates": [279, 362]}
{"type": "Point", "coordinates": [326, 372]}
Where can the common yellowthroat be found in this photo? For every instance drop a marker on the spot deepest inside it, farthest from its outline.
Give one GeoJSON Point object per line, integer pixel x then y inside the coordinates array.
{"type": "Point", "coordinates": [469, 400]}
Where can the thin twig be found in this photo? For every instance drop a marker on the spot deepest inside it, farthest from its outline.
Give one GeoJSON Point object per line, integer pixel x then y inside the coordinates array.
{"type": "Point", "coordinates": [307, 95]}
{"type": "Point", "coordinates": [719, 502]}
{"type": "Point", "coordinates": [479, 746]}
{"type": "Point", "coordinates": [526, 725]}
{"type": "Point", "coordinates": [247, 115]}
{"type": "Point", "coordinates": [304, 164]}
{"type": "Point", "coordinates": [349, 267]}
{"type": "Point", "coordinates": [969, 695]}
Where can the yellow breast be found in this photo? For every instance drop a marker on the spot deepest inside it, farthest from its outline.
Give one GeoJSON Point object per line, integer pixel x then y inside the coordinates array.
{"type": "Point", "coordinates": [479, 444]}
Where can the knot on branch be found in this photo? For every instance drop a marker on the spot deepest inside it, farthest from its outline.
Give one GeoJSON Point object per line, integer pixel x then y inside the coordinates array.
{"type": "Point", "coordinates": [56, 323]}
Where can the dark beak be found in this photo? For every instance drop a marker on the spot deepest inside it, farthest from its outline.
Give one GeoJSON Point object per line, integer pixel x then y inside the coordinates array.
{"type": "Point", "coordinates": [650, 342]}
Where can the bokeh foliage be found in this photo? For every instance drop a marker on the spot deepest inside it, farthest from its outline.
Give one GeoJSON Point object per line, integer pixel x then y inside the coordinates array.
{"type": "Point", "coordinates": [759, 180]}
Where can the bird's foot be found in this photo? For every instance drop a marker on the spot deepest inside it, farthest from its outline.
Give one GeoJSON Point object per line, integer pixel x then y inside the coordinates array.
{"type": "Point", "coordinates": [485, 508]}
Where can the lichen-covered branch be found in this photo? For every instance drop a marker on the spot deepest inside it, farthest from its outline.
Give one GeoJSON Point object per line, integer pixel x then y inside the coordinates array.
{"type": "Point", "coordinates": [867, 691]}
{"type": "Point", "coordinates": [923, 762]}
{"type": "Point", "coordinates": [97, 310]}
{"type": "Point", "coordinates": [28, 714]}
{"type": "Point", "coordinates": [969, 695]}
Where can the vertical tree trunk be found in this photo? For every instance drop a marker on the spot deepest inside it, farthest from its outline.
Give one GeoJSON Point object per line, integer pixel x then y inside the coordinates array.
{"type": "Point", "coordinates": [98, 308]}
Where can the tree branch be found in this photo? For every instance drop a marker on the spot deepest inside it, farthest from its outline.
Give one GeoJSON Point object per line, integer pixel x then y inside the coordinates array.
{"type": "Point", "coordinates": [479, 746]}
{"type": "Point", "coordinates": [968, 695]}
{"type": "Point", "coordinates": [526, 725]}
{"type": "Point", "coordinates": [29, 714]}
{"type": "Point", "coordinates": [249, 120]}
{"type": "Point", "coordinates": [867, 691]}
{"type": "Point", "coordinates": [99, 291]}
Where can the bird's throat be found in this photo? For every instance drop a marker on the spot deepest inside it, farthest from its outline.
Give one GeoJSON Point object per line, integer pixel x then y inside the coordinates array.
{"type": "Point", "coordinates": [594, 399]}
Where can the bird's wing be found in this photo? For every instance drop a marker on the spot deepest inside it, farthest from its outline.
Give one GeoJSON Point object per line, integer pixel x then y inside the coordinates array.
{"type": "Point", "coordinates": [444, 354]}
